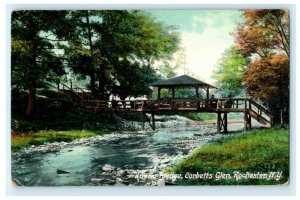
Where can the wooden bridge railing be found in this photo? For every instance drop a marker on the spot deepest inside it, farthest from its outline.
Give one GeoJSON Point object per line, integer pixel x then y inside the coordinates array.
{"type": "Point", "coordinates": [116, 104]}
{"type": "Point", "coordinates": [78, 95]}
{"type": "Point", "coordinates": [84, 94]}
{"type": "Point", "coordinates": [224, 105]}
{"type": "Point", "coordinates": [259, 108]}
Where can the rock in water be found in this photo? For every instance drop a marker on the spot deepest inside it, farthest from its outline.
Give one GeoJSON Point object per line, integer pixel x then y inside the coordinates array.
{"type": "Point", "coordinates": [161, 182]}
{"type": "Point", "coordinates": [108, 168]}
{"type": "Point", "coordinates": [121, 172]}
{"type": "Point", "coordinates": [60, 171]}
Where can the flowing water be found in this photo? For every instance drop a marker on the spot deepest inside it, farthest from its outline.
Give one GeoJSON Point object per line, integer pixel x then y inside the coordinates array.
{"type": "Point", "coordinates": [124, 158]}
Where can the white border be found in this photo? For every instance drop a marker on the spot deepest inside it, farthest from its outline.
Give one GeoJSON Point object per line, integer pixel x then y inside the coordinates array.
{"type": "Point", "coordinates": [190, 190]}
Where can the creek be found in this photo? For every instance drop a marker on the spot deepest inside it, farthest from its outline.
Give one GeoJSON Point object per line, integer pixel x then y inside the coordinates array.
{"type": "Point", "coordinates": [121, 158]}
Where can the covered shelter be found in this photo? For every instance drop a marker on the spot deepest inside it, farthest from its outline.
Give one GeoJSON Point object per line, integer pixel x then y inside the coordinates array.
{"type": "Point", "coordinates": [183, 81]}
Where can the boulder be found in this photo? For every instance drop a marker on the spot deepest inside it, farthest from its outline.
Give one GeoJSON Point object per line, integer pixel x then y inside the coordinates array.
{"type": "Point", "coordinates": [108, 168]}
{"type": "Point", "coordinates": [161, 182]}
{"type": "Point", "coordinates": [121, 172]}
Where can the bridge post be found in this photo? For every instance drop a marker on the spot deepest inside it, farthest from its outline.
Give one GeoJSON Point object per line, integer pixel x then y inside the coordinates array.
{"type": "Point", "coordinates": [153, 121]}
{"type": "Point", "coordinates": [219, 122]}
{"type": "Point", "coordinates": [247, 121]}
{"type": "Point", "coordinates": [225, 123]}
{"type": "Point", "coordinates": [249, 117]}
{"type": "Point", "coordinates": [143, 122]}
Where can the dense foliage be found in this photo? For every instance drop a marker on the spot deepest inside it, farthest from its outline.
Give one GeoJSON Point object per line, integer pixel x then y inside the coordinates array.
{"type": "Point", "coordinates": [111, 49]}
{"type": "Point", "coordinates": [33, 61]}
{"type": "Point", "coordinates": [259, 61]}
{"type": "Point", "coordinates": [229, 73]}
{"type": "Point", "coordinates": [264, 38]}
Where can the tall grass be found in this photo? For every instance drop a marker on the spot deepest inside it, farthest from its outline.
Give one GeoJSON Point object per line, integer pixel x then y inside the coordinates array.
{"type": "Point", "coordinates": [261, 151]}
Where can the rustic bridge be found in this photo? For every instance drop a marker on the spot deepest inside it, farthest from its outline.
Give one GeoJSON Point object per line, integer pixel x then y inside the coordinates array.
{"type": "Point", "coordinates": [221, 107]}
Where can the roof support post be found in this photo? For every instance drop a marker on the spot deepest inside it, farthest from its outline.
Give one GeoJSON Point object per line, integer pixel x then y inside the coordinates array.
{"type": "Point", "coordinates": [158, 93]}
{"type": "Point", "coordinates": [197, 96]}
{"type": "Point", "coordinates": [207, 92]}
{"type": "Point", "coordinates": [173, 92]}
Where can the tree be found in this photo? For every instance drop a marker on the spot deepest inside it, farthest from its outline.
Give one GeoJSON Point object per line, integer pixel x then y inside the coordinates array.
{"type": "Point", "coordinates": [80, 51]}
{"type": "Point", "coordinates": [136, 44]}
{"type": "Point", "coordinates": [167, 70]}
{"type": "Point", "coordinates": [134, 81]}
{"type": "Point", "coordinates": [168, 67]}
{"type": "Point", "coordinates": [268, 79]}
{"type": "Point", "coordinates": [264, 33]}
{"type": "Point", "coordinates": [33, 60]}
{"type": "Point", "coordinates": [229, 73]}
{"type": "Point", "coordinates": [104, 40]}
{"type": "Point", "coordinates": [264, 38]}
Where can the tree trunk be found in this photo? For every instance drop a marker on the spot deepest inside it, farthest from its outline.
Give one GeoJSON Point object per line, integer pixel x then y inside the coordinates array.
{"type": "Point", "coordinates": [31, 100]}
{"type": "Point", "coordinates": [101, 88]}
{"type": "Point", "coordinates": [281, 119]}
{"type": "Point", "coordinates": [92, 84]}
{"type": "Point", "coordinates": [32, 87]}
{"type": "Point", "coordinates": [276, 116]}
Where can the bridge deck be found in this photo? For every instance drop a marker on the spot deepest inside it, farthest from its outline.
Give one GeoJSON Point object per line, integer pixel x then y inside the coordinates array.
{"type": "Point", "coordinates": [176, 104]}
{"type": "Point", "coordinates": [249, 107]}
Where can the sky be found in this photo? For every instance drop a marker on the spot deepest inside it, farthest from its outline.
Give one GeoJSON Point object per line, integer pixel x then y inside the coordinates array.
{"type": "Point", "coordinates": [205, 35]}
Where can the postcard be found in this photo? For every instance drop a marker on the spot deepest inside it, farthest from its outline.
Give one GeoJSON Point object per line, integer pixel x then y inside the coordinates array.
{"type": "Point", "coordinates": [150, 97]}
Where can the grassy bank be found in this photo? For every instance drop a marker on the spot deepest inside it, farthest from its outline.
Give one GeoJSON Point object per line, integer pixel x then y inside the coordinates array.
{"type": "Point", "coordinates": [24, 140]}
{"type": "Point", "coordinates": [262, 151]}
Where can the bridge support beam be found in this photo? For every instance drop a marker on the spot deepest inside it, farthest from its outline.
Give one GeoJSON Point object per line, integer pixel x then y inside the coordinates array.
{"type": "Point", "coordinates": [247, 121]}
{"type": "Point", "coordinates": [222, 123]}
{"type": "Point", "coordinates": [146, 119]}
{"type": "Point", "coordinates": [219, 122]}
{"type": "Point", "coordinates": [225, 124]}
{"type": "Point", "coordinates": [143, 121]}
{"type": "Point", "coordinates": [153, 121]}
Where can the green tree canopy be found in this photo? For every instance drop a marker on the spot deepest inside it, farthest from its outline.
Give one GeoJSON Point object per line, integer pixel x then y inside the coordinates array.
{"type": "Point", "coordinates": [229, 73]}
{"type": "Point", "coordinates": [33, 60]}
{"type": "Point", "coordinates": [104, 40]}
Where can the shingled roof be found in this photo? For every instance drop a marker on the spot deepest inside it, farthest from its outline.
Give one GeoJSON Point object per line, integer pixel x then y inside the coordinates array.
{"type": "Point", "coordinates": [180, 81]}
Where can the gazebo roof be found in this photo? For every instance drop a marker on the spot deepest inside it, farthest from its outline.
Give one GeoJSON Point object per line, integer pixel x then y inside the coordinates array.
{"type": "Point", "coordinates": [181, 81]}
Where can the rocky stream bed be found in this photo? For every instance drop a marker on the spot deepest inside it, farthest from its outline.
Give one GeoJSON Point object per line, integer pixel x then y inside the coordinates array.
{"type": "Point", "coordinates": [121, 158]}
